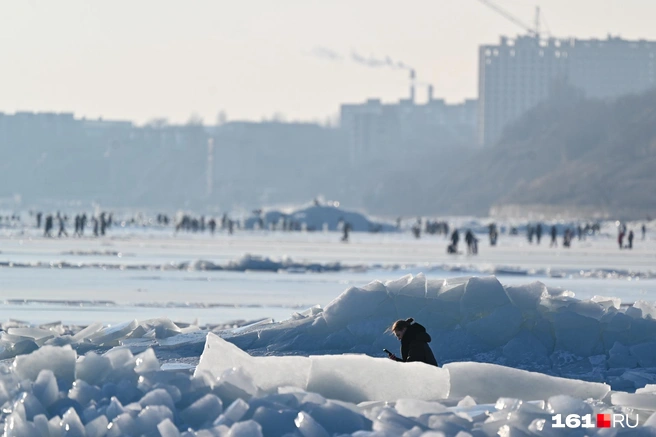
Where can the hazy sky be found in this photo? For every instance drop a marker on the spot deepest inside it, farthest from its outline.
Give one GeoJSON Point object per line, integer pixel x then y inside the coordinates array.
{"type": "Point", "coordinates": [141, 59]}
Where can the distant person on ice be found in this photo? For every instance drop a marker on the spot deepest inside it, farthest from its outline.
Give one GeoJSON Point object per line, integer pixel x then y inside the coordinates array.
{"type": "Point", "coordinates": [554, 234]}
{"type": "Point", "coordinates": [469, 239]}
{"type": "Point", "coordinates": [493, 233]}
{"type": "Point", "coordinates": [346, 230]}
{"type": "Point", "coordinates": [414, 342]}
{"type": "Point", "coordinates": [48, 226]}
{"type": "Point", "coordinates": [567, 237]}
{"type": "Point", "coordinates": [62, 226]}
{"type": "Point", "coordinates": [416, 229]}
{"type": "Point", "coordinates": [455, 239]}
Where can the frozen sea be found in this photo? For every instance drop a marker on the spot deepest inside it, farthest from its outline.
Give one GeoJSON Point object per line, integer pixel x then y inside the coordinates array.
{"type": "Point", "coordinates": [147, 273]}
{"type": "Point", "coordinates": [519, 354]}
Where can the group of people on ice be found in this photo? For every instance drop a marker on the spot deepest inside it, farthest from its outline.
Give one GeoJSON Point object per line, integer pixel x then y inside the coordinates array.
{"type": "Point", "coordinates": [100, 224]}
{"type": "Point", "coordinates": [621, 233]}
{"type": "Point", "coordinates": [470, 240]}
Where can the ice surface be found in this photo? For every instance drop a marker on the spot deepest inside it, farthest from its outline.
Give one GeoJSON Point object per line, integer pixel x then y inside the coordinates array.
{"type": "Point", "coordinates": [112, 333]}
{"type": "Point", "coordinates": [84, 393]}
{"type": "Point", "coordinates": [488, 382]}
{"type": "Point", "coordinates": [475, 319]}
{"type": "Point", "coordinates": [566, 404]}
{"type": "Point", "coordinates": [72, 425]}
{"type": "Point", "coordinates": [527, 297]}
{"type": "Point", "coordinates": [417, 408]}
{"type": "Point", "coordinates": [32, 333]}
{"type": "Point", "coordinates": [354, 303]}
{"type": "Point", "coordinates": [60, 360]}
{"type": "Point", "coordinates": [96, 427]}
{"type": "Point", "coordinates": [308, 427]}
{"type": "Point", "coordinates": [125, 391]}
{"type": "Point", "coordinates": [88, 331]}
{"type": "Point", "coordinates": [576, 333]}
{"type": "Point", "coordinates": [642, 401]}
{"type": "Point", "coordinates": [351, 378]}
{"type": "Point", "coordinates": [167, 428]}
{"type": "Point", "coordinates": [248, 428]}
{"type": "Point", "coordinates": [93, 368]}
{"type": "Point", "coordinates": [415, 287]}
{"type": "Point", "coordinates": [45, 387]}
{"type": "Point", "coordinates": [498, 327]}
{"type": "Point", "coordinates": [267, 372]}
{"type": "Point", "coordinates": [146, 362]}
{"type": "Point", "coordinates": [157, 396]}
{"type": "Point", "coordinates": [481, 296]}
{"type": "Point", "coordinates": [152, 415]}
{"type": "Point", "coordinates": [195, 407]}
{"type": "Point", "coordinates": [359, 378]}
{"type": "Point", "coordinates": [204, 410]}
{"type": "Point", "coordinates": [645, 353]}
{"type": "Point", "coordinates": [234, 413]}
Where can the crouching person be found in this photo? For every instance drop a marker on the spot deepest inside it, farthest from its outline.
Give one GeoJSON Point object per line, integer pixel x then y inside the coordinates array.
{"type": "Point", "coordinates": [414, 342]}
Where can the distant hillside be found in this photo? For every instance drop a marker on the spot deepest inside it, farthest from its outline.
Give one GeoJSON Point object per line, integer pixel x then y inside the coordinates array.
{"type": "Point", "coordinates": [567, 152]}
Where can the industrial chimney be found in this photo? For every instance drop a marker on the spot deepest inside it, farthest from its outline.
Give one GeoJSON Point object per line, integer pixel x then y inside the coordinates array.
{"type": "Point", "coordinates": [430, 93]}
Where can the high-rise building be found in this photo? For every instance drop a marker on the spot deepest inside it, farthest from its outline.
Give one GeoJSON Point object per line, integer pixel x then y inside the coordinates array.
{"type": "Point", "coordinates": [385, 131]}
{"type": "Point", "coordinates": [517, 74]}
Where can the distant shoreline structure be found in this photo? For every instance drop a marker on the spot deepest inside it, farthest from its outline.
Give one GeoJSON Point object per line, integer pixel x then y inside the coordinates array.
{"type": "Point", "coordinates": [551, 212]}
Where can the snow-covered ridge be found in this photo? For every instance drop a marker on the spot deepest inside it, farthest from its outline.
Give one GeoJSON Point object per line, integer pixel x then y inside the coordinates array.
{"type": "Point", "coordinates": [531, 327]}
{"type": "Point", "coordinates": [309, 385]}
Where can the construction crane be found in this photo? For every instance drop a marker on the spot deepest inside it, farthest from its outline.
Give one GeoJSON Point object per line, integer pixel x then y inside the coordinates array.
{"type": "Point", "coordinates": [533, 31]}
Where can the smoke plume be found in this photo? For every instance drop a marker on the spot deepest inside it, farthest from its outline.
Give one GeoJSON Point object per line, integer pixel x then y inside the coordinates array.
{"type": "Point", "coordinates": [367, 61]}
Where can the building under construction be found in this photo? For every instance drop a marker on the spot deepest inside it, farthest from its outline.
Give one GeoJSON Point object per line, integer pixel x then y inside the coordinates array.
{"type": "Point", "coordinates": [517, 74]}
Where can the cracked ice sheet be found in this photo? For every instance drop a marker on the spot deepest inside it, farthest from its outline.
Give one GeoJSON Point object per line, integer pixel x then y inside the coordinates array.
{"type": "Point", "coordinates": [351, 378]}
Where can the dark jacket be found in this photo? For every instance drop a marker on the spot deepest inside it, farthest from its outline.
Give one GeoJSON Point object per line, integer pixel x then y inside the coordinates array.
{"type": "Point", "coordinates": [414, 345]}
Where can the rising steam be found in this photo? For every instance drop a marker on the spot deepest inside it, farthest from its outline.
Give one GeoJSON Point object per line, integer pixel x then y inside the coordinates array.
{"type": "Point", "coordinates": [367, 61]}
